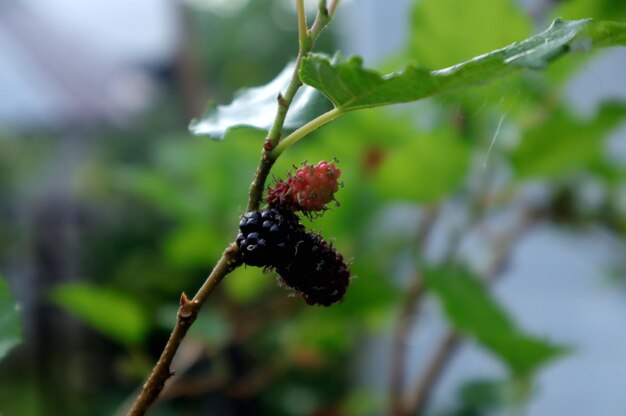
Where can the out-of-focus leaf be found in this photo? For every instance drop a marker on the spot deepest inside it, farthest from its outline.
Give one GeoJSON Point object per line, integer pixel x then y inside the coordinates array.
{"type": "Point", "coordinates": [246, 283]}
{"type": "Point", "coordinates": [491, 396]}
{"type": "Point", "coordinates": [326, 331]}
{"type": "Point", "coordinates": [597, 9]}
{"type": "Point", "coordinates": [350, 86]}
{"type": "Point", "coordinates": [211, 326]}
{"type": "Point", "coordinates": [10, 327]}
{"type": "Point", "coordinates": [471, 310]}
{"type": "Point", "coordinates": [193, 244]}
{"type": "Point", "coordinates": [445, 32]}
{"type": "Point", "coordinates": [425, 169]}
{"type": "Point", "coordinates": [563, 143]}
{"type": "Point", "coordinates": [256, 108]}
{"type": "Point", "coordinates": [110, 312]}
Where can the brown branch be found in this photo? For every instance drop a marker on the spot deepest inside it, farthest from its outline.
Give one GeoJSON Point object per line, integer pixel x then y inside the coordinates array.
{"type": "Point", "coordinates": [406, 321]}
{"type": "Point", "coordinates": [417, 402]}
{"type": "Point", "coordinates": [188, 310]}
{"type": "Point", "coordinates": [187, 314]}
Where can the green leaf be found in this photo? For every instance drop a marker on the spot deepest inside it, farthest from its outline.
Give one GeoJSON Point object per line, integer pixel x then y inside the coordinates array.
{"type": "Point", "coordinates": [113, 313]}
{"type": "Point", "coordinates": [472, 311]}
{"type": "Point", "coordinates": [10, 328]}
{"type": "Point", "coordinates": [484, 395]}
{"type": "Point", "coordinates": [564, 143]}
{"type": "Point", "coordinates": [449, 31]}
{"type": "Point", "coordinates": [427, 168]}
{"type": "Point", "coordinates": [256, 108]}
{"type": "Point", "coordinates": [350, 86]}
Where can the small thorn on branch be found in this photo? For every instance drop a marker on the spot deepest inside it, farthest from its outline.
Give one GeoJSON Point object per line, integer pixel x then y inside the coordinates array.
{"type": "Point", "coordinates": [184, 300]}
{"type": "Point", "coordinates": [186, 307]}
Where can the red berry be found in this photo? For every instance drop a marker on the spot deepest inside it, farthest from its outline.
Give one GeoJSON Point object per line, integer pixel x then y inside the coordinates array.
{"type": "Point", "coordinates": [310, 189]}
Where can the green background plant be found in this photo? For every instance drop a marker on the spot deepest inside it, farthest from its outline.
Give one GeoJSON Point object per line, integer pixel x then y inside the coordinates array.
{"type": "Point", "coordinates": [167, 205]}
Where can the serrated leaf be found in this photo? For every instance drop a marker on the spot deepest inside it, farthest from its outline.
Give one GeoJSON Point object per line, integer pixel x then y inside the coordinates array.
{"type": "Point", "coordinates": [113, 313]}
{"type": "Point", "coordinates": [448, 31]}
{"type": "Point", "coordinates": [10, 327]}
{"type": "Point", "coordinates": [564, 143]}
{"type": "Point", "coordinates": [256, 108]}
{"type": "Point", "coordinates": [471, 310]}
{"type": "Point", "coordinates": [427, 168]}
{"type": "Point", "coordinates": [350, 86]}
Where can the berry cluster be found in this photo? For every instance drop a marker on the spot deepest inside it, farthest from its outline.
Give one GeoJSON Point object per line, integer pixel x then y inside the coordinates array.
{"type": "Point", "coordinates": [275, 239]}
{"type": "Point", "coordinates": [310, 189]}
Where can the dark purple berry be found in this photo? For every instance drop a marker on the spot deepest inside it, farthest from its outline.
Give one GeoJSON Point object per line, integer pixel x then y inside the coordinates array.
{"type": "Point", "coordinates": [316, 271]}
{"type": "Point", "coordinates": [267, 237]}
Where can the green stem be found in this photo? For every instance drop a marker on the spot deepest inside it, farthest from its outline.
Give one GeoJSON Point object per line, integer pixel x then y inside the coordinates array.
{"type": "Point", "coordinates": [273, 141]}
{"type": "Point", "coordinates": [305, 130]}
{"type": "Point", "coordinates": [305, 41]}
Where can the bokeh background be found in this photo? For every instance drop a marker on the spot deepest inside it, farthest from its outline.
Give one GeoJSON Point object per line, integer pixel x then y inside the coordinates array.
{"type": "Point", "coordinates": [109, 209]}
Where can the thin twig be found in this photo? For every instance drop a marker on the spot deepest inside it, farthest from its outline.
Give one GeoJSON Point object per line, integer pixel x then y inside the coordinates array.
{"type": "Point", "coordinates": [417, 402]}
{"type": "Point", "coordinates": [303, 36]}
{"type": "Point", "coordinates": [303, 131]}
{"type": "Point", "coordinates": [188, 310]}
{"type": "Point", "coordinates": [273, 138]}
{"type": "Point", "coordinates": [187, 314]}
{"type": "Point", "coordinates": [406, 321]}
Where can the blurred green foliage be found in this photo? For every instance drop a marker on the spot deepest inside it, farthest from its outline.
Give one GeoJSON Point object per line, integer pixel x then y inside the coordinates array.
{"type": "Point", "coordinates": [163, 205]}
{"type": "Point", "coordinates": [540, 152]}
{"type": "Point", "coordinates": [10, 328]}
{"type": "Point", "coordinates": [109, 311]}
{"type": "Point", "coordinates": [470, 29]}
{"type": "Point", "coordinates": [472, 311]}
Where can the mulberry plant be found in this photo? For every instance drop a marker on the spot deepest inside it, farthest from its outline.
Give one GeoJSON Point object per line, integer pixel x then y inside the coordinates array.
{"type": "Point", "coordinates": [271, 236]}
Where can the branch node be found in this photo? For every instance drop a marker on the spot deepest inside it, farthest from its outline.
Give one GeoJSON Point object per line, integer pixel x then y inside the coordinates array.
{"type": "Point", "coordinates": [281, 100]}
{"type": "Point", "coordinates": [187, 308]}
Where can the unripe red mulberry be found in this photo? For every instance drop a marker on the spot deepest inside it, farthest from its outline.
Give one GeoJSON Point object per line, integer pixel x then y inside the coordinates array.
{"type": "Point", "coordinates": [310, 189]}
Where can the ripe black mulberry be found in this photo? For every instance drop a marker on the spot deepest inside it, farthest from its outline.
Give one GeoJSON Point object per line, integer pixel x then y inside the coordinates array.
{"type": "Point", "coordinates": [267, 238]}
{"type": "Point", "coordinates": [316, 271]}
